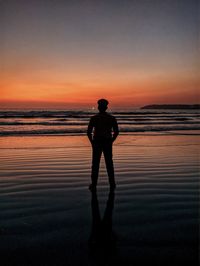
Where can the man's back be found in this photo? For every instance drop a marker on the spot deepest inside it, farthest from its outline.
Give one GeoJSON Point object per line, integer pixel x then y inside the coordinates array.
{"type": "Point", "coordinates": [104, 124]}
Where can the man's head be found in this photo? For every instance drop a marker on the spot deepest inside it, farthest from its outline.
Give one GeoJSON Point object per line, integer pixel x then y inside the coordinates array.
{"type": "Point", "coordinates": [102, 105]}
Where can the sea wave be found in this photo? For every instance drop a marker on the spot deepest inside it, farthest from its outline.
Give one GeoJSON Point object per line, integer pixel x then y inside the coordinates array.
{"type": "Point", "coordinates": [77, 114]}
{"type": "Point", "coordinates": [80, 123]}
{"type": "Point", "coordinates": [77, 131]}
{"type": "Point", "coordinates": [34, 122]}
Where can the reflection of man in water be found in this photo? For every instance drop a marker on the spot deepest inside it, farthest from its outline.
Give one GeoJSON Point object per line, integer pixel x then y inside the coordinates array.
{"type": "Point", "coordinates": [102, 131]}
{"type": "Point", "coordinates": [102, 241]}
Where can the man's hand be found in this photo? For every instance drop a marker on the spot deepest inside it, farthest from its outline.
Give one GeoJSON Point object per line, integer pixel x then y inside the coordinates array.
{"type": "Point", "coordinates": [115, 136]}
{"type": "Point", "coordinates": [89, 132]}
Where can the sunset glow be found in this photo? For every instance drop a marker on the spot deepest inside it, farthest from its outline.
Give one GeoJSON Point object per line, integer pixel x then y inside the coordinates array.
{"type": "Point", "coordinates": [132, 53]}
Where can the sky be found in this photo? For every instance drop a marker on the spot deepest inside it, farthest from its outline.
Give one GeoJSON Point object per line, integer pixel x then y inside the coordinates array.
{"type": "Point", "coordinates": [59, 53]}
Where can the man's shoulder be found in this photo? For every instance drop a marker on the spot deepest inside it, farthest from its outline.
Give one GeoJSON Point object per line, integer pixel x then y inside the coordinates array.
{"type": "Point", "coordinates": [100, 115]}
{"type": "Point", "coordinates": [108, 115]}
{"type": "Point", "coordinates": [112, 117]}
{"type": "Point", "coordinates": [94, 116]}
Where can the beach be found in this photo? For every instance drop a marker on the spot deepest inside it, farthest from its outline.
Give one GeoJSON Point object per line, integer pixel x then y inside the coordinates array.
{"type": "Point", "coordinates": [81, 77]}
{"type": "Point", "coordinates": [48, 215]}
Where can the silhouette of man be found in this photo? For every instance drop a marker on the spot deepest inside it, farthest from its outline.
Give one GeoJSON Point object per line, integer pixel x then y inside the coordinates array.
{"type": "Point", "coordinates": [102, 132]}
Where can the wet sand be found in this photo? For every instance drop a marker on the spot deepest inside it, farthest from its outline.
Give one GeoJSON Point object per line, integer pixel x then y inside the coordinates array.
{"type": "Point", "coordinates": [49, 217]}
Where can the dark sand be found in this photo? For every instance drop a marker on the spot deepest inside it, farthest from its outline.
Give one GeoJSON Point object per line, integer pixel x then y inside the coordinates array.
{"type": "Point", "coordinates": [47, 210]}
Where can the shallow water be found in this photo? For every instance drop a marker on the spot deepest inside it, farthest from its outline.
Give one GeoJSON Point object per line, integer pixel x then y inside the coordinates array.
{"type": "Point", "coordinates": [47, 209]}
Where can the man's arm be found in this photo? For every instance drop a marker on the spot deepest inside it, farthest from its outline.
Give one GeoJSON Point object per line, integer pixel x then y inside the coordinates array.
{"type": "Point", "coordinates": [115, 130]}
{"type": "Point", "coordinates": [89, 130]}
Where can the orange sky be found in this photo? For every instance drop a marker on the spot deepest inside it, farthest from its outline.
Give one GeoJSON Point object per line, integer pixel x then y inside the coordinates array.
{"type": "Point", "coordinates": [133, 89]}
{"type": "Point", "coordinates": [85, 54]}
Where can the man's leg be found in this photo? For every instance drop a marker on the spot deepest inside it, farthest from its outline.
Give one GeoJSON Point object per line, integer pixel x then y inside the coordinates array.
{"type": "Point", "coordinates": [107, 150]}
{"type": "Point", "coordinates": [96, 156]}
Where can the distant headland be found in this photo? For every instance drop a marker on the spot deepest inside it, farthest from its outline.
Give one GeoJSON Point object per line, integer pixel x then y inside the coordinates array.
{"type": "Point", "coordinates": [172, 106]}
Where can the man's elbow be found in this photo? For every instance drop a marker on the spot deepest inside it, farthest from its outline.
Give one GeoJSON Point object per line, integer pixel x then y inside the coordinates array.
{"type": "Point", "coordinates": [89, 134]}
{"type": "Point", "coordinates": [117, 132]}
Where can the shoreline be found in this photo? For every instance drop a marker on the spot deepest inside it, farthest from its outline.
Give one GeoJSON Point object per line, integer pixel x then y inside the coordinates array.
{"type": "Point", "coordinates": [122, 133]}
{"type": "Point", "coordinates": [77, 140]}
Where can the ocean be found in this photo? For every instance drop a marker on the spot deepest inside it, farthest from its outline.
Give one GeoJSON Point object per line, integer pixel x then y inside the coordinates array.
{"type": "Point", "coordinates": [48, 215]}
{"type": "Point", "coordinates": [74, 122]}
